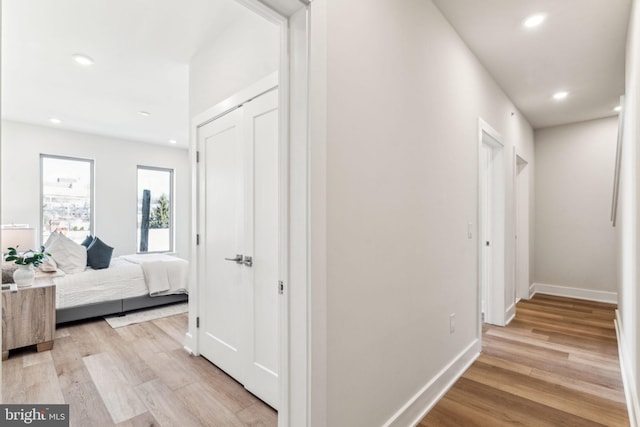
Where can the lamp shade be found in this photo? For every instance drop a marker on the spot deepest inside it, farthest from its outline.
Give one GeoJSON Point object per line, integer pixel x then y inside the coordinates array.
{"type": "Point", "coordinates": [23, 238]}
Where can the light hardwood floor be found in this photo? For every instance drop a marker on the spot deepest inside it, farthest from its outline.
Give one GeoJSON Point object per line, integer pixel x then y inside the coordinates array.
{"type": "Point", "coordinates": [137, 375]}
{"type": "Point", "coordinates": [555, 364]}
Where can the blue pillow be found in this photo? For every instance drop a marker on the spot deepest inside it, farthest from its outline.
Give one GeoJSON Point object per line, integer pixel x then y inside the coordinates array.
{"type": "Point", "coordinates": [99, 254]}
{"type": "Point", "coordinates": [88, 241]}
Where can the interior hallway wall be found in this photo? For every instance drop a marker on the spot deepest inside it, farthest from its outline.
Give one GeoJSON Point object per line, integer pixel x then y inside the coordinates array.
{"type": "Point", "coordinates": [575, 242]}
{"type": "Point", "coordinates": [403, 98]}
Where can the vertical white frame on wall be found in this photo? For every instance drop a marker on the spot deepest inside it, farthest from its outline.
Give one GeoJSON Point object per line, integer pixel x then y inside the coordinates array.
{"type": "Point", "coordinates": [496, 298]}
{"type": "Point", "coordinates": [292, 83]}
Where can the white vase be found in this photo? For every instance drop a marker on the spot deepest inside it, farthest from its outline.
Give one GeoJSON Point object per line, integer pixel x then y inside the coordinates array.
{"type": "Point", "coordinates": [24, 275]}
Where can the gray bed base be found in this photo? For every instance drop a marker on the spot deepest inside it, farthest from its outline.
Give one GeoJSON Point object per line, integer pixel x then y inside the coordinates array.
{"type": "Point", "coordinates": [119, 306]}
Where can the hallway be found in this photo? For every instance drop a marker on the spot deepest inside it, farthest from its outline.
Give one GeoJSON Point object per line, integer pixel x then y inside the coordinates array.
{"type": "Point", "coordinates": [555, 364]}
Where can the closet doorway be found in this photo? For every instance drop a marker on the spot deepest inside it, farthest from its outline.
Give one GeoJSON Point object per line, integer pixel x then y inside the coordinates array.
{"type": "Point", "coordinates": [239, 228]}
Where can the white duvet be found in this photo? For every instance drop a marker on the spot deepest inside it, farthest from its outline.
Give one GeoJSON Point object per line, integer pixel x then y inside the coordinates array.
{"type": "Point", "coordinates": [127, 276]}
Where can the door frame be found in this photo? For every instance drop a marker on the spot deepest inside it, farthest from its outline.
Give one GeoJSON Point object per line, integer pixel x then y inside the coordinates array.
{"type": "Point", "coordinates": [292, 17]}
{"type": "Point", "coordinates": [521, 194]}
{"type": "Point", "coordinates": [496, 298]}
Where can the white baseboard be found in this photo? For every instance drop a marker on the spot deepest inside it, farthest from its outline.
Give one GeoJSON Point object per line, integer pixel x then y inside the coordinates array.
{"type": "Point", "coordinates": [510, 314]}
{"type": "Point", "coordinates": [565, 291]}
{"type": "Point", "coordinates": [630, 386]}
{"type": "Point", "coordinates": [189, 344]}
{"type": "Point", "coordinates": [417, 407]}
{"type": "Point", "coordinates": [532, 290]}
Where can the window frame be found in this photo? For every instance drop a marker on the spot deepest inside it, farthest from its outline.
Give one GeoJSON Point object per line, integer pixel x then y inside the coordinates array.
{"type": "Point", "coordinates": [92, 213]}
{"type": "Point", "coordinates": [171, 208]}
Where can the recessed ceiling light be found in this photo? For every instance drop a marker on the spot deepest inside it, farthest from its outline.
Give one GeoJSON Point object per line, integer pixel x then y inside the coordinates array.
{"type": "Point", "coordinates": [55, 120]}
{"type": "Point", "coordinates": [173, 141]}
{"type": "Point", "coordinates": [144, 113]}
{"type": "Point", "coordinates": [83, 60]}
{"type": "Point", "coordinates": [560, 95]}
{"type": "Point", "coordinates": [618, 108]}
{"type": "Point", "coordinates": [534, 20]}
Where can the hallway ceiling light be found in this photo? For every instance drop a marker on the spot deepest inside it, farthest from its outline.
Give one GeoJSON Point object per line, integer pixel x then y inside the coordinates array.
{"type": "Point", "coordinates": [55, 120]}
{"type": "Point", "coordinates": [144, 113]}
{"type": "Point", "coordinates": [534, 20]}
{"type": "Point", "coordinates": [618, 108]}
{"type": "Point", "coordinates": [560, 95]}
{"type": "Point", "coordinates": [173, 141]}
{"type": "Point", "coordinates": [83, 60]}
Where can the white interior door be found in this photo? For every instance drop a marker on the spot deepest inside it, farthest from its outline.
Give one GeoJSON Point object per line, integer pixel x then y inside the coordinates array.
{"type": "Point", "coordinates": [221, 227]}
{"type": "Point", "coordinates": [260, 125]}
{"type": "Point", "coordinates": [492, 211]}
{"type": "Point", "coordinates": [239, 226]}
{"type": "Point", "coordinates": [522, 228]}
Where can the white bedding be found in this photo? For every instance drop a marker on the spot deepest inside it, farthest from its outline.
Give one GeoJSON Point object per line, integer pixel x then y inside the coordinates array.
{"type": "Point", "coordinates": [125, 278]}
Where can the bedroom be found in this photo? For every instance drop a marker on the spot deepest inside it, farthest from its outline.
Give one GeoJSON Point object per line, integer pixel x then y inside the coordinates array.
{"type": "Point", "coordinates": [105, 123]}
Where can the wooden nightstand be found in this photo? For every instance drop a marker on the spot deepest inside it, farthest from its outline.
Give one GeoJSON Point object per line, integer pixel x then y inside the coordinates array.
{"type": "Point", "coordinates": [29, 317]}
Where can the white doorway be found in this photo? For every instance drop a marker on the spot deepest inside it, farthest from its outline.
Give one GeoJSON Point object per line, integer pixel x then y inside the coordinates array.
{"type": "Point", "coordinates": [492, 213]}
{"type": "Point", "coordinates": [521, 186]}
{"type": "Point", "coordinates": [295, 365]}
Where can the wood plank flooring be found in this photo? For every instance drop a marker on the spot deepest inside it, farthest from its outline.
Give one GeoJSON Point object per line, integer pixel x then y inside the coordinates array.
{"type": "Point", "coordinates": [137, 375]}
{"type": "Point", "coordinates": [555, 364]}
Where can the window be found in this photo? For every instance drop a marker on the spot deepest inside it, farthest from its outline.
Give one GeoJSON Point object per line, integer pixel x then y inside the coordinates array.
{"type": "Point", "coordinates": [67, 197]}
{"type": "Point", "coordinates": [155, 209]}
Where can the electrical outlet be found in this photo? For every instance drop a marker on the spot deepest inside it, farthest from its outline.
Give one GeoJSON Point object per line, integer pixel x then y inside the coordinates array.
{"type": "Point", "coordinates": [452, 323]}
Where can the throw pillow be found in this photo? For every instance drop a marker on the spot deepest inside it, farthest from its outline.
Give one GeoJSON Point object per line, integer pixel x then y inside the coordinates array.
{"type": "Point", "coordinates": [87, 241]}
{"type": "Point", "coordinates": [48, 265]}
{"type": "Point", "coordinates": [99, 254]}
{"type": "Point", "coordinates": [70, 256]}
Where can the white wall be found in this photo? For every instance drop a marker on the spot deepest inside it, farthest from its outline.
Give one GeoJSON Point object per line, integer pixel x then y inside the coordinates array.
{"type": "Point", "coordinates": [627, 230]}
{"type": "Point", "coordinates": [403, 97]}
{"type": "Point", "coordinates": [238, 57]}
{"type": "Point", "coordinates": [115, 179]}
{"type": "Point", "coordinates": [575, 242]}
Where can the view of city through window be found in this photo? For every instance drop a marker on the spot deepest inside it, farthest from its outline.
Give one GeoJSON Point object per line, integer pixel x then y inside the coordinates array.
{"type": "Point", "coordinates": [155, 213]}
{"type": "Point", "coordinates": [66, 197]}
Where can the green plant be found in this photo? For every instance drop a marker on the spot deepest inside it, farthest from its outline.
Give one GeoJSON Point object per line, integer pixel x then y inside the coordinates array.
{"type": "Point", "coordinates": [29, 257]}
{"type": "Point", "coordinates": [160, 214]}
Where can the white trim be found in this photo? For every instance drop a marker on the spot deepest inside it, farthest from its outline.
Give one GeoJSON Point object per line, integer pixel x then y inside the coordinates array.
{"type": "Point", "coordinates": [260, 87]}
{"type": "Point", "coordinates": [630, 387]}
{"type": "Point", "coordinates": [510, 313]}
{"type": "Point", "coordinates": [565, 291]}
{"type": "Point", "coordinates": [422, 402]}
{"type": "Point", "coordinates": [532, 290]}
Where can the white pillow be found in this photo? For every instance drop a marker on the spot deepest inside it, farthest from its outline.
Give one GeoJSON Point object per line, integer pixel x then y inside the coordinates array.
{"type": "Point", "coordinates": [52, 238]}
{"type": "Point", "coordinates": [69, 255]}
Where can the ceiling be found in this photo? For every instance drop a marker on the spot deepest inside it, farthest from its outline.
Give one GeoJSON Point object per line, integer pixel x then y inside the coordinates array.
{"type": "Point", "coordinates": [141, 50]}
{"type": "Point", "coordinates": [579, 48]}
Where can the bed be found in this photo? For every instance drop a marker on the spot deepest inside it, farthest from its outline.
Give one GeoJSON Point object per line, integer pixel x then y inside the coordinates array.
{"type": "Point", "coordinates": [131, 282]}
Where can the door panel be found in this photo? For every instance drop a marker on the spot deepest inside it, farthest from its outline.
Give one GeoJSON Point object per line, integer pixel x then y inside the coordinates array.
{"type": "Point", "coordinates": [261, 127]}
{"type": "Point", "coordinates": [221, 194]}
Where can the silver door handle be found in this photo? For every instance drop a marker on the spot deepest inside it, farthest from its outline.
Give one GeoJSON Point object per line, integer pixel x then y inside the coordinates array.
{"type": "Point", "coordinates": [248, 261]}
{"type": "Point", "coordinates": [238, 259]}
